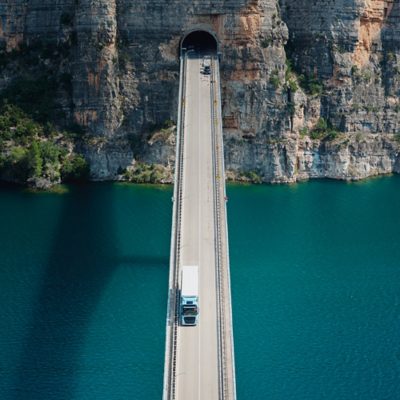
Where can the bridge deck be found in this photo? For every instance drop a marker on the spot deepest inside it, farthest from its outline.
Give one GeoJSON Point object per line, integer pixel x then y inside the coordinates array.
{"type": "Point", "coordinates": [199, 360]}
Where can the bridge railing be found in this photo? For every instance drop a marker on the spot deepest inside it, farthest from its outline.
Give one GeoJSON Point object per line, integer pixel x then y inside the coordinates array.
{"type": "Point", "coordinates": [172, 311]}
{"type": "Point", "coordinates": [227, 382]}
{"type": "Point", "coordinates": [220, 150]}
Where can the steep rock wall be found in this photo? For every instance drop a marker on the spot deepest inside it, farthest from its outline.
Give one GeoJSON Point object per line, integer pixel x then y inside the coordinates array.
{"type": "Point", "coordinates": [122, 61]}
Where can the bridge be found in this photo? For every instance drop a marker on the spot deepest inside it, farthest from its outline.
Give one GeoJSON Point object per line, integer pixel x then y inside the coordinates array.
{"type": "Point", "coordinates": [199, 360]}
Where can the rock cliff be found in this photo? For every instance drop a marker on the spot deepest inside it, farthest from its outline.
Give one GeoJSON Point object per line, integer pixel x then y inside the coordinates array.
{"type": "Point", "coordinates": [309, 89]}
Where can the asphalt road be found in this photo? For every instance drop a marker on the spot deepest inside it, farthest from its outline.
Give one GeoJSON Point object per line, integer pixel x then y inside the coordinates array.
{"type": "Point", "coordinates": [197, 361]}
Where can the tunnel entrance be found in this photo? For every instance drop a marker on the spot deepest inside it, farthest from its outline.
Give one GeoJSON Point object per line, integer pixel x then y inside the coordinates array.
{"type": "Point", "coordinates": [200, 41]}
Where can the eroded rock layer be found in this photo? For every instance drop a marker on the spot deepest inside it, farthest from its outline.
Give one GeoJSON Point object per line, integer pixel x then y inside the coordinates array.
{"type": "Point", "coordinates": [309, 89]}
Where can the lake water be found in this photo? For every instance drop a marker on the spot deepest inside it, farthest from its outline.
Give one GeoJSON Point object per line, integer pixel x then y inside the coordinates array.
{"type": "Point", "coordinates": [315, 271]}
{"type": "Point", "coordinates": [316, 290]}
{"type": "Point", "coordinates": [84, 281]}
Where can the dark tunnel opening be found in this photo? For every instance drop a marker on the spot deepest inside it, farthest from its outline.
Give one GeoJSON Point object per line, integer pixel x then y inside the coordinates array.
{"type": "Point", "coordinates": [200, 41]}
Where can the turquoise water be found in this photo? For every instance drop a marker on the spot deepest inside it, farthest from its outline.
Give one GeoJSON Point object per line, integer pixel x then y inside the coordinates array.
{"type": "Point", "coordinates": [316, 290]}
{"type": "Point", "coordinates": [315, 281]}
{"type": "Point", "coordinates": [84, 280]}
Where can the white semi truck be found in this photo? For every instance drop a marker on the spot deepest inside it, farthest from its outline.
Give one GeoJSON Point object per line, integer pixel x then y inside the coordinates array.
{"type": "Point", "coordinates": [189, 295]}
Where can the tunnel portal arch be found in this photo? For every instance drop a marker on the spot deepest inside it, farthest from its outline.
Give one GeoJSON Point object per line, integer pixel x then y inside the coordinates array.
{"type": "Point", "coordinates": [200, 40]}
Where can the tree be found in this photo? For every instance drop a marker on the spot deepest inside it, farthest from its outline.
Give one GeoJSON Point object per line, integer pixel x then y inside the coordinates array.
{"type": "Point", "coordinates": [75, 168]}
{"type": "Point", "coordinates": [34, 160]}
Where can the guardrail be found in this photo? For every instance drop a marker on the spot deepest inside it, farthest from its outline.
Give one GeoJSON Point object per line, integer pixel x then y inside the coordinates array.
{"type": "Point", "coordinates": [172, 312]}
{"type": "Point", "coordinates": [228, 305]}
{"type": "Point", "coordinates": [218, 244]}
{"type": "Point", "coordinates": [226, 368]}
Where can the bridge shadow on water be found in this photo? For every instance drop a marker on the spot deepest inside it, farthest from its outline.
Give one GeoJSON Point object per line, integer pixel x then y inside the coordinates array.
{"type": "Point", "coordinates": [82, 259]}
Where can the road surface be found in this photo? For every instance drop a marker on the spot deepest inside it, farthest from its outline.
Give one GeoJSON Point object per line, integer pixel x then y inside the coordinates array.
{"type": "Point", "coordinates": [199, 362]}
{"type": "Point", "coordinates": [197, 359]}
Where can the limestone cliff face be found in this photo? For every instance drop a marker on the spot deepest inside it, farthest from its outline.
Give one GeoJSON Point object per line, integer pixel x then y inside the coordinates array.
{"type": "Point", "coordinates": [122, 61]}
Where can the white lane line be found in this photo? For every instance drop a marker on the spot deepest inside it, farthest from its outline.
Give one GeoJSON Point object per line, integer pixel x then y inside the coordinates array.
{"type": "Point", "coordinates": [199, 231]}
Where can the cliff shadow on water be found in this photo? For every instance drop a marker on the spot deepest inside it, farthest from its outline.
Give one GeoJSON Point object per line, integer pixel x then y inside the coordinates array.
{"type": "Point", "coordinates": [80, 264]}
{"type": "Point", "coordinates": [82, 260]}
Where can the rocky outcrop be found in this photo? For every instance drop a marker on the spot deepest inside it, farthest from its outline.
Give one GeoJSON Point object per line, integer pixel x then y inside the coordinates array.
{"type": "Point", "coordinates": [286, 65]}
{"type": "Point", "coordinates": [349, 157]}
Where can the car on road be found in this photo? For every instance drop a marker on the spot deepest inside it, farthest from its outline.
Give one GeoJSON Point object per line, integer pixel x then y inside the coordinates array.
{"type": "Point", "coordinates": [206, 65]}
{"type": "Point", "coordinates": [207, 71]}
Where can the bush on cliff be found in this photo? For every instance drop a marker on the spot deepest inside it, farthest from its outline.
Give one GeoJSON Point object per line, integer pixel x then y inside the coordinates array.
{"type": "Point", "coordinates": [34, 160]}
{"type": "Point", "coordinates": [75, 169]}
{"type": "Point", "coordinates": [30, 150]}
{"type": "Point", "coordinates": [324, 130]}
{"type": "Point", "coordinates": [16, 125]}
{"type": "Point", "coordinates": [311, 85]}
{"type": "Point", "coordinates": [33, 148]}
{"type": "Point", "coordinates": [15, 163]}
{"type": "Point", "coordinates": [148, 173]}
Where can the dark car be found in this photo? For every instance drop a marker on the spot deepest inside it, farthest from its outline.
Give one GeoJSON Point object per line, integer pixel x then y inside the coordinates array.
{"type": "Point", "coordinates": [206, 70]}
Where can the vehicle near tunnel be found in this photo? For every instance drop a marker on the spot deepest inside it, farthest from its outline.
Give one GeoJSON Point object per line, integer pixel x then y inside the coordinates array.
{"type": "Point", "coordinates": [206, 66]}
{"type": "Point", "coordinates": [189, 297]}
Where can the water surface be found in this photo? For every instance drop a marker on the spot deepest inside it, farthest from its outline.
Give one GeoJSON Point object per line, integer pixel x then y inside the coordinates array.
{"type": "Point", "coordinates": [316, 290]}
{"type": "Point", "coordinates": [83, 294]}
{"type": "Point", "coordinates": [315, 281]}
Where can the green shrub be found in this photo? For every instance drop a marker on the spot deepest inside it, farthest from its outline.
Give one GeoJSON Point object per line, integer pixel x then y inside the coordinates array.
{"type": "Point", "coordinates": [322, 125]}
{"type": "Point", "coordinates": [147, 173]}
{"type": "Point", "coordinates": [274, 79]}
{"type": "Point", "coordinates": [316, 88]}
{"type": "Point", "coordinates": [354, 70]}
{"type": "Point", "coordinates": [303, 132]}
{"type": "Point", "coordinates": [290, 77]}
{"type": "Point", "coordinates": [324, 130]}
{"type": "Point", "coordinates": [75, 168]}
{"type": "Point", "coordinates": [17, 155]}
{"type": "Point", "coordinates": [17, 125]}
{"type": "Point", "coordinates": [16, 163]}
{"type": "Point", "coordinates": [168, 123]}
{"type": "Point", "coordinates": [253, 177]}
{"type": "Point", "coordinates": [292, 84]}
{"type": "Point", "coordinates": [34, 160]}
{"type": "Point", "coordinates": [371, 109]}
{"type": "Point", "coordinates": [366, 75]}
{"type": "Point", "coordinates": [332, 134]}
{"type": "Point", "coordinates": [316, 134]}
{"type": "Point", "coordinates": [320, 129]}
{"type": "Point", "coordinates": [390, 56]}
{"type": "Point", "coordinates": [311, 85]}
{"type": "Point", "coordinates": [289, 69]}
{"type": "Point", "coordinates": [50, 152]}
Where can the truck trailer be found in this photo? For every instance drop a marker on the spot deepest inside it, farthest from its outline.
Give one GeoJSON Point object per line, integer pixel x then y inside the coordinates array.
{"type": "Point", "coordinates": [189, 295]}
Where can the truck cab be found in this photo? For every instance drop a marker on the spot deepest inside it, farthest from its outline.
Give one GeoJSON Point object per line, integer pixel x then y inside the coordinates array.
{"type": "Point", "coordinates": [188, 305]}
